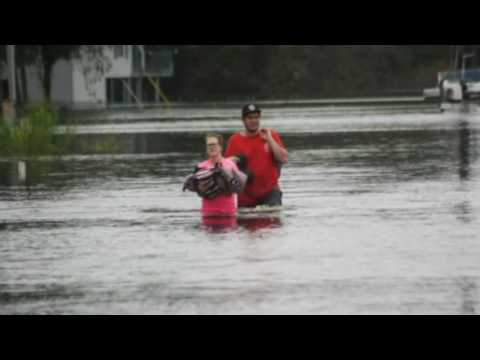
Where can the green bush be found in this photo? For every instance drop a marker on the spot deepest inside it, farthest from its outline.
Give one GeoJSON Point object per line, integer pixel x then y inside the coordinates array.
{"type": "Point", "coordinates": [33, 135]}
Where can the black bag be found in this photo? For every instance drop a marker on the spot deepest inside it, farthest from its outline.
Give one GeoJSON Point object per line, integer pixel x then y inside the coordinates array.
{"type": "Point", "coordinates": [209, 183]}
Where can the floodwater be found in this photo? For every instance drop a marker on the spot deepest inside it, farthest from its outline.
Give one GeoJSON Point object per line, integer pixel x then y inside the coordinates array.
{"type": "Point", "coordinates": [381, 216]}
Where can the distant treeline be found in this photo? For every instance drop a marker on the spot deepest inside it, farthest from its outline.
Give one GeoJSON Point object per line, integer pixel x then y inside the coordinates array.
{"type": "Point", "coordinates": [267, 72]}
{"type": "Point", "coordinates": [286, 72]}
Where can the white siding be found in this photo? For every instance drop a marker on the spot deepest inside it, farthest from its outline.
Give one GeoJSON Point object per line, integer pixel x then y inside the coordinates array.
{"type": "Point", "coordinates": [72, 83]}
{"type": "Point", "coordinates": [89, 87]}
{"type": "Point", "coordinates": [88, 90]}
{"type": "Point", "coordinates": [121, 66]}
{"type": "Point", "coordinates": [62, 83]}
{"type": "Point", "coordinates": [34, 84]}
{"type": "Point", "coordinates": [61, 92]}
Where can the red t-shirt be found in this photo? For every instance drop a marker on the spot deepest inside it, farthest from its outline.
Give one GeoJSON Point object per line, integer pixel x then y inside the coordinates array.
{"type": "Point", "coordinates": [260, 161]}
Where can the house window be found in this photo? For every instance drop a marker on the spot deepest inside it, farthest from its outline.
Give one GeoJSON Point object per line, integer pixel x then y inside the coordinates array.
{"type": "Point", "coordinates": [120, 51]}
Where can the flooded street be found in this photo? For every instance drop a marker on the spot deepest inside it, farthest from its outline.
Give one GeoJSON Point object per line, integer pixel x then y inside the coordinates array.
{"type": "Point", "coordinates": [381, 216]}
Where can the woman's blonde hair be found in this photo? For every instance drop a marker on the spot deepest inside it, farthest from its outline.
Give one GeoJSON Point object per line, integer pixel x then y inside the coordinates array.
{"type": "Point", "coordinates": [216, 136]}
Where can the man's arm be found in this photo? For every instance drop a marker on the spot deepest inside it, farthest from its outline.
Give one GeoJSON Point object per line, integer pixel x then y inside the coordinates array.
{"type": "Point", "coordinates": [281, 154]}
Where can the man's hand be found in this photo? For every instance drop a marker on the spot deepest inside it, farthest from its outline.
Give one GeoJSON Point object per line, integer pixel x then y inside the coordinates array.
{"type": "Point", "coordinates": [266, 134]}
{"type": "Point", "coordinates": [281, 155]}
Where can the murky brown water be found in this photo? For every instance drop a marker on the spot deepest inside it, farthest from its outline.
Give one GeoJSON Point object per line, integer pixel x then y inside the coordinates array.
{"type": "Point", "coordinates": [381, 216]}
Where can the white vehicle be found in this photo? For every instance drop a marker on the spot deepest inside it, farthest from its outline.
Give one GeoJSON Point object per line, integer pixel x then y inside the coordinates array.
{"type": "Point", "coordinates": [460, 90]}
{"type": "Point", "coordinates": [451, 91]}
{"type": "Point", "coordinates": [473, 90]}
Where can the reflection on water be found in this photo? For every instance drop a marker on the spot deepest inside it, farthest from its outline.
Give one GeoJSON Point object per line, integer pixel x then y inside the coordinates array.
{"type": "Point", "coordinates": [464, 209]}
{"type": "Point", "coordinates": [20, 173]}
{"type": "Point", "coordinates": [259, 223]}
{"type": "Point", "coordinates": [220, 223]}
{"type": "Point", "coordinates": [465, 138]}
{"type": "Point", "coordinates": [251, 224]}
{"type": "Point", "coordinates": [469, 294]}
{"type": "Point", "coordinates": [381, 216]}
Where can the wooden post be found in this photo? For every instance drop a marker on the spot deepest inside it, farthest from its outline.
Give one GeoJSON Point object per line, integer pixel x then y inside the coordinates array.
{"type": "Point", "coordinates": [22, 171]}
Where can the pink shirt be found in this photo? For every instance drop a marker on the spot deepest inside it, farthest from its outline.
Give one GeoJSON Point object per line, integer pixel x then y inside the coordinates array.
{"type": "Point", "coordinates": [224, 205]}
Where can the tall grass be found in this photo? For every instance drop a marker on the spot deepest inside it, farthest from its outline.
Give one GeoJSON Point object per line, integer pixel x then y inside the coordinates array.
{"type": "Point", "coordinates": [33, 134]}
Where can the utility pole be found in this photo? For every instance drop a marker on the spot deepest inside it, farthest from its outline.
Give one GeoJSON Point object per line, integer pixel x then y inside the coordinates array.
{"type": "Point", "coordinates": [457, 55]}
{"type": "Point", "coordinates": [9, 108]}
{"type": "Point", "coordinates": [464, 58]}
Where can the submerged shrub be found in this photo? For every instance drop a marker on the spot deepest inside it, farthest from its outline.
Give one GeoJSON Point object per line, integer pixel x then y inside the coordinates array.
{"type": "Point", "coordinates": [33, 134]}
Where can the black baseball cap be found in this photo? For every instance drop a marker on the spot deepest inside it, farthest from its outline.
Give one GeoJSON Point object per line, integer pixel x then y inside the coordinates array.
{"type": "Point", "coordinates": [251, 109]}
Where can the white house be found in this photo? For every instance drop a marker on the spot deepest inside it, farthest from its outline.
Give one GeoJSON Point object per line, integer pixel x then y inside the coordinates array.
{"type": "Point", "coordinates": [131, 77]}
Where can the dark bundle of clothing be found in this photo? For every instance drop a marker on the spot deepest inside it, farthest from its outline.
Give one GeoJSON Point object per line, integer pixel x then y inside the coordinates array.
{"type": "Point", "coordinates": [211, 183]}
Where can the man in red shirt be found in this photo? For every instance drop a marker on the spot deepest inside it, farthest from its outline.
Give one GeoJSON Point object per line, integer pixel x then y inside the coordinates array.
{"type": "Point", "coordinates": [261, 153]}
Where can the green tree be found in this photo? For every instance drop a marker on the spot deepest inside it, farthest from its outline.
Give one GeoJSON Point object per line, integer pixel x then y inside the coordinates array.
{"type": "Point", "coordinates": [221, 72]}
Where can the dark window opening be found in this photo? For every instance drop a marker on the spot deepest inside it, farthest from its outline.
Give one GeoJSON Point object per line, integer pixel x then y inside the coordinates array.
{"type": "Point", "coordinates": [4, 90]}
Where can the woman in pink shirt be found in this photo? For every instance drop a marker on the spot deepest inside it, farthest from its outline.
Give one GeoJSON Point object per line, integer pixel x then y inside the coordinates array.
{"type": "Point", "coordinates": [218, 181]}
